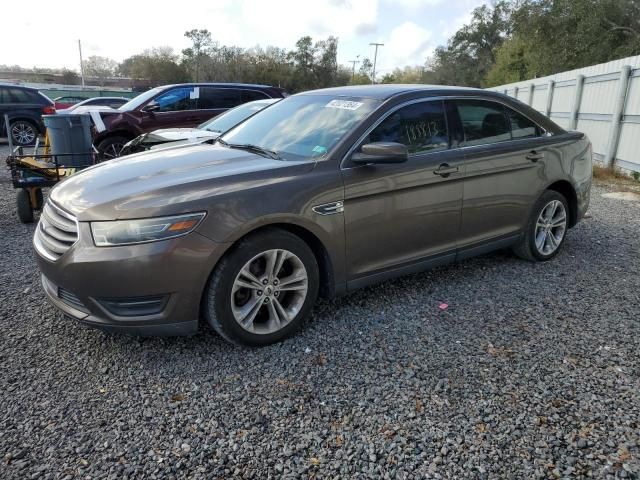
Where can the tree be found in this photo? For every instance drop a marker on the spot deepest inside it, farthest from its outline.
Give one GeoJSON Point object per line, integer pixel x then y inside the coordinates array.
{"type": "Point", "coordinates": [100, 67]}
{"type": "Point", "coordinates": [69, 77]}
{"type": "Point", "coordinates": [160, 65]}
{"type": "Point", "coordinates": [201, 44]}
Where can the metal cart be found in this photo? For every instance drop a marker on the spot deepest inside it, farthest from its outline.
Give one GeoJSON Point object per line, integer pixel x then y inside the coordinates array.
{"type": "Point", "coordinates": [30, 173]}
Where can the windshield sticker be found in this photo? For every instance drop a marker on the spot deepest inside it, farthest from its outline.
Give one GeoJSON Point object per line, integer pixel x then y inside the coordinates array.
{"type": "Point", "coordinates": [344, 104]}
{"type": "Point", "coordinates": [195, 93]}
{"type": "Point", "coordinates": [319, 149]}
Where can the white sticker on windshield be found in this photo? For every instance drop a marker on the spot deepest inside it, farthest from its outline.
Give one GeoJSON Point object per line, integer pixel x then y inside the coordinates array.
{"type": "Point", "coordinates": [344, 104]}
{"type": "Point", "coordinates": [195, 93]}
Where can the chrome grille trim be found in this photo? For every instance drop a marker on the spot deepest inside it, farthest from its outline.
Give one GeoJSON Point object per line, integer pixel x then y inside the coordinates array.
{"type": "Point", "coordinates": [56, 232]}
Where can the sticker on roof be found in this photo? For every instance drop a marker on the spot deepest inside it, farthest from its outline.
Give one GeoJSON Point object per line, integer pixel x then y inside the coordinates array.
{"type": "Point", "coordinates": [344, 104]}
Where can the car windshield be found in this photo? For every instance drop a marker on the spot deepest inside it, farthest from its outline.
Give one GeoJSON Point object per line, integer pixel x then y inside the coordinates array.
{"type": "Point", "coordinates": [135, 102]}
{"type": "Point", "coordinates": [302, 126]}
{"type": "Point", "coordinates": [233, 117]}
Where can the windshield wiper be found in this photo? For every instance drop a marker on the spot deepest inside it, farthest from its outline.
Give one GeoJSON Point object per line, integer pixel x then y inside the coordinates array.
{"type": "Point", "coordinates": [251, 148]}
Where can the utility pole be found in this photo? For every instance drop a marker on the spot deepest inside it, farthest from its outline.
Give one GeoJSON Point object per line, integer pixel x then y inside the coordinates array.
{"type": "Point", "coordinates": [375, 57]}
{"type": "Point", "coordinates": [81, 63]}
{"type": "Point", "coordinates": [353, 69]}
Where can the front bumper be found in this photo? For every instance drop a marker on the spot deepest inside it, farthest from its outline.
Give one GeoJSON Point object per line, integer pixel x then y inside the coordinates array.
{"type": "Point", "coordinates": [85, 280]}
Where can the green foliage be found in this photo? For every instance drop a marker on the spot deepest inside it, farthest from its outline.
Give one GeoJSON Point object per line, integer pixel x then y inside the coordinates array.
{"type": "Point", "coordinates": [520, 39]}
{"type": "Point", "coordinates": [160, 65]}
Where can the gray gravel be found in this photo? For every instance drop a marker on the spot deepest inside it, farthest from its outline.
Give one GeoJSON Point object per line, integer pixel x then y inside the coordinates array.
{"type": "Point", "coordinates": [532, 372]}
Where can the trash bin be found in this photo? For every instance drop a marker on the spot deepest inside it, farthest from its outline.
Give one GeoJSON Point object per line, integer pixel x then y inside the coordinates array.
{"type": "Point", "coordinates": [70, 134]}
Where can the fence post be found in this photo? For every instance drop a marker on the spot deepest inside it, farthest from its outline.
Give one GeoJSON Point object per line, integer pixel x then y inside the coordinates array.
{"type": "Point", "coordinates": [515, 92]}
{"type": "Point", "coordinates": [549, 97]}
{"type": "Point", "coordinates": [532, 87]}
{"type": "Point", "coordinates": [616, 118]}
{"type": "Point", "coordinates": [577, 98]}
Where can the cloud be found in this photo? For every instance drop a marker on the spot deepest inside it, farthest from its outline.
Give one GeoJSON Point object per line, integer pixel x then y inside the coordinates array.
{"type": "Point", "coordinates": [408, 44]}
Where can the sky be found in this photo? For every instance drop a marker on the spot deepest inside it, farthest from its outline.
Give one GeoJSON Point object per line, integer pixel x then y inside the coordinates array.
{"type": "Point", "coordinates": [409, 29]}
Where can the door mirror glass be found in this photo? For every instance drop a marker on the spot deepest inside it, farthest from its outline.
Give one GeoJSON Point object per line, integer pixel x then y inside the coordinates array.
{"type": "Point", "coordinates": [381, 152]}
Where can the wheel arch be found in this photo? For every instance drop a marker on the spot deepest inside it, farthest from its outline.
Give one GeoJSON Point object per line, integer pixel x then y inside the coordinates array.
{"type": "Point", "coordinates": [325, 263]}
{"type": "Point", "coordinates": [564, 188]}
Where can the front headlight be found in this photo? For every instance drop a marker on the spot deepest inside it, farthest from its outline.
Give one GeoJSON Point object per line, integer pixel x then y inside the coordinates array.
{"type": "Point", "coordinates": [124, 232]}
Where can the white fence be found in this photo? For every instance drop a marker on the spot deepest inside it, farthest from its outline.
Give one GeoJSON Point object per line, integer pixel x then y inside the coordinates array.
{"type": "Point", "coordinates": [602, 101]}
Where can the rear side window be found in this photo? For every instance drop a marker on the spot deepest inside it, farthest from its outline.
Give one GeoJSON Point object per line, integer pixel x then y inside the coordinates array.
{"type": "Point", "coordinates": [19, 96]}
{"type": "Point", "coordinates": [212, 98]}
{"type": "Point", "coordinates": [421, 127]}
{"type": "Point", "coordinates": [483, 122]}
{"type": "Point", "coordinates": [251, 95]}
{"type": "Point", "coordinates": [4, 96]}
{"type": "Point", "coordinates": [521, 126]}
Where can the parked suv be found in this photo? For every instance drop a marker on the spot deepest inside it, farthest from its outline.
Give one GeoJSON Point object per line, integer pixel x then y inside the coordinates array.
{"type": "Point", "coordinates": [170, 106]}
{"type": "Point", "coordinates": [321, 193]}
{"type": "Point", "coordinates": [25, 107]}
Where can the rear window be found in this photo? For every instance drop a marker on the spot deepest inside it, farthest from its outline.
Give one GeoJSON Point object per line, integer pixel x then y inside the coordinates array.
{"type": "Point", "coordinates": [251, 95]}
{"type": "Point", "coordinates": [18, 95]}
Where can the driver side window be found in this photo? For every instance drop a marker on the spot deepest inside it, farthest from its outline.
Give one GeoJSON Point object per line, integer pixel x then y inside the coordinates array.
{"type": "Point", "coordinates": [175, 100]}
{"type": "Point", "coordinates": [421, 127]}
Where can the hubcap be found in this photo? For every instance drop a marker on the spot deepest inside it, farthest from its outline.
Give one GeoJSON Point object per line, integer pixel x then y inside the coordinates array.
{"type": "Point", "coordinates": [269, 291]}
{"type": "Point", "coordinates": [112, 151]}
{"type": "Point", "coordinates": [23, 133]}
{"type": "Point", "coordinates": [551, 227]}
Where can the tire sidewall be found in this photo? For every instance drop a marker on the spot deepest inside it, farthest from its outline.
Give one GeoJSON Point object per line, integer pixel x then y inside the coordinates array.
{"type": "Point", "coordinates": [218, 295]}
{"type": "Point", "coordinates": [542, 202]}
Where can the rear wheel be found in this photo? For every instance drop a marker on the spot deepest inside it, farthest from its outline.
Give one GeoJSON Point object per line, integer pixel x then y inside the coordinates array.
{"type": "Point", "coordinates": [110, 147]}
{"type": "Point", "coordinates": [23, 132]}
{"type": "Point", "coordinates": [263, 289]}
{"type": "Point", "coordinates": [23, 204]}
{"type": "Point", "coordinates": [547, 228]}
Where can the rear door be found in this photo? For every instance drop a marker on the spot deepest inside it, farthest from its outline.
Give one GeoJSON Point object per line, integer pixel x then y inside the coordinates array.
{"type": "Point", "coordinates": [4, 108]}
{"type": "Point", "coordinates": [399, 216]}
{"type": "Point", "coordinates": [213, 101]}
{"type": "Point", "coordinates": [505, 157]}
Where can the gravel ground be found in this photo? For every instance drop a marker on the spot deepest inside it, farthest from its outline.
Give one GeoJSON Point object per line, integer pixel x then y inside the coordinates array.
{"type": "Point", "coordinates": [533, 371]}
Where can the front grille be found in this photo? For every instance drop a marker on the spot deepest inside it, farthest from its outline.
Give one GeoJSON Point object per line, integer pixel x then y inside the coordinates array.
{"type": "Point", "coordinates": [57, 231]}
{"type": "Point", "coordinates": [70, 299]}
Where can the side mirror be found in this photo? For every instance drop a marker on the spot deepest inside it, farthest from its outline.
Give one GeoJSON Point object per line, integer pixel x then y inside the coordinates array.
{"type": "Point", "coordinates": [151, 107]}
{"type": "Point", "coordinates": [381, 152]}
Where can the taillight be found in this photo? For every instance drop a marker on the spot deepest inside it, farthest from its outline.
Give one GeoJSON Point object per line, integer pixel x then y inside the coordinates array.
{"type": "Point", "coordinates": [49, 110]}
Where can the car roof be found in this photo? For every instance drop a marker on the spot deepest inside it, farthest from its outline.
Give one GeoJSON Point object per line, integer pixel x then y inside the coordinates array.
{"type": "Point", "coordinates": [210, 84]}
{"type": "Point", "coordinates": [386, 91]}
{"type": "Point", "coordinates": [13, 85]}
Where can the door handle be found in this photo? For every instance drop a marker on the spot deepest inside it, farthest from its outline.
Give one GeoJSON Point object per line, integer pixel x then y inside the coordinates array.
{"type": "Point", "coordinates": [534, 156]}
{"type": "Point", "coordinates": [444, 170]}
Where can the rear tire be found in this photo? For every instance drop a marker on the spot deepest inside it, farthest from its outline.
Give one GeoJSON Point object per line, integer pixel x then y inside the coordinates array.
{"type": "Point", "coordinates": [23, 132]}
{"type": "Point", "coordinates": [546, 229]}
{"type": "Point", "coordinates": [110, 147]}
{"type": "Point", "coordinates": [23, 204]}
{"type": "Point", "coordinates": [262, 290]}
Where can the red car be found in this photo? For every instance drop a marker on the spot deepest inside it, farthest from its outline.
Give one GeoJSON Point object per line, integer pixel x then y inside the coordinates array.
{"type": "Point", "coordinates": [66, 102]}
{"type": "Point", "coordinates": [171, 106]}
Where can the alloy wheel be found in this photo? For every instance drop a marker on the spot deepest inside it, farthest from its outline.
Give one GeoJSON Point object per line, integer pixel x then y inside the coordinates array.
{"type": "Point", "coordinates": [269, 291]}
{"type": "Point", "coordinates": [112, 151]}
{"type": "Point", "coordinates": [23, 133]}
{"type": "Point", "coordinates": [551, 227]}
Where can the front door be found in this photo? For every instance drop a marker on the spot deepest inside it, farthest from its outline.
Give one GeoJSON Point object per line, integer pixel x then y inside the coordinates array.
{"type": "Point", "coordinates": [402, 216]}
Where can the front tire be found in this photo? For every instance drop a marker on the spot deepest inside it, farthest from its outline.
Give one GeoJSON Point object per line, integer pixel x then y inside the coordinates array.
{"type": "Point", "coordinates": [111, 147]}
{"type": "Point", "coordinates": [261, 291]}
{"type": "Point", "coordinates": [546, 230]}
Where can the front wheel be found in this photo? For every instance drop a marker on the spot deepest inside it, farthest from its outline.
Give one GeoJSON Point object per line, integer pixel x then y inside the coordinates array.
{"type": "Point", "coordinates": [111, 147]}
{"type": "Point", "coordinates": [263, 289]}
{"type": "Point", "coordinates": [23, 205]}
{"type": "Point", "coordinates": [547, 228]}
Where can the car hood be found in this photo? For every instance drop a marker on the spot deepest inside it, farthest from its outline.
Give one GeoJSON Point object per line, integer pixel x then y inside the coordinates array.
{"type": "Point", "coordinates": [173, 135]}
{"type": "Point", "coordinates": [167, 181]}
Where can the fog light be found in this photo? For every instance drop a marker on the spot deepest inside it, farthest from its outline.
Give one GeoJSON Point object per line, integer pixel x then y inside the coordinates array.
{"type": "Point", "coordinates": [134, 306]}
